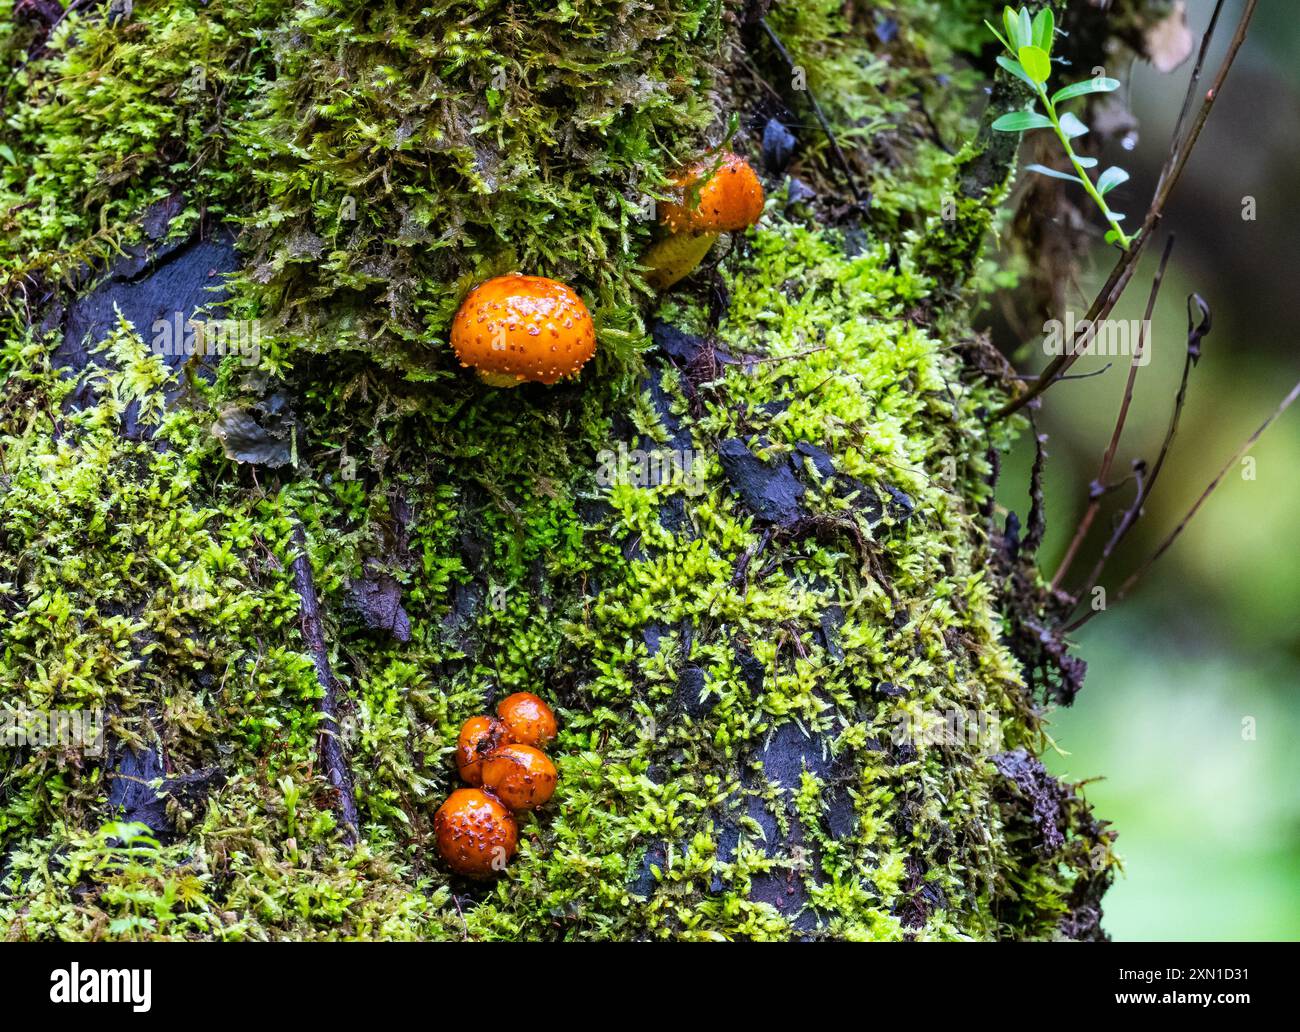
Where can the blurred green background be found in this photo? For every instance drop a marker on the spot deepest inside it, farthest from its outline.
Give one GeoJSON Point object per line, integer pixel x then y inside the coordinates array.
{"type": "Point", "coordinates": [1208, 646]}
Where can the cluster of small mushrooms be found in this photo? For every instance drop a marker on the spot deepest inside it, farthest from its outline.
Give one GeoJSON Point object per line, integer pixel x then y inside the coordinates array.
{"type": "Point", "coordinates": [502, 758]}
{"type": "Point", "coordinates": [514, 328]}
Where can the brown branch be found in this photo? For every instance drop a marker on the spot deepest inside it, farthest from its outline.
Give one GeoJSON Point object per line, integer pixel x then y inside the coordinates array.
{"type": "Point", "coordinates": [1175, 163]}
{"type": "Point", "coordinates": [1036, 520]}
{"type": "Point", "coordinates": [330, 745]}
{"type": "Point", "coordinates": [1195, 334]}
{"type": "Point", "coordinates": [1165, 545]}
{"type": "Point", "coordinates": [1186, 108]}
{"type": "Point", "coordinates": [1100, 484]}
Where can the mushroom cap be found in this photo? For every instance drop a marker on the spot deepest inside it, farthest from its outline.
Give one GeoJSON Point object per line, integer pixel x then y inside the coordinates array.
{"type": "Point", "coordinates": [475, 833]}
{"type": "Point", "coordinates": [525, 328]}
{"type": "Point", "coordinates": [479, 737]}
{"type": "Point", "coordinates": [528, 719]}
{"type": "Point", "coordinates": [731, 199]}
{"type": "Point", "coordinates": [520, 776]}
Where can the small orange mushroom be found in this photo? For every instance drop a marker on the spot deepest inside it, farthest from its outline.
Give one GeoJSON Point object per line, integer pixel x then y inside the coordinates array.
{"type": "Point", "coordinates": [479, 738]}
{"type": "Point", "coordinates": [729, 200]}
{"type": "Point", "coordinates": [515, 328]}
{"type": "Point", "coordinates": [476, 834]}
{"type": "Point", "coordinates": [520, 776]}
{"type": "Point", "coordinates": [528, 719]}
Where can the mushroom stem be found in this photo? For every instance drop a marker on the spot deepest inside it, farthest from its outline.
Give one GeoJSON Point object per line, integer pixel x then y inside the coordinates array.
{"type": "Point", "coordinates": [676, 256]}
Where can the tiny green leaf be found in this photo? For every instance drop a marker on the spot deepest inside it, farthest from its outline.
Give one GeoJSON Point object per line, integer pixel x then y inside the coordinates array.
{"type": "Point", "coordinates": [1025, 29]}
{"type": "Point", "coordinates": [1072, 126]}
{"type": "Point", "coordinates": [1012, 24]}
{"type": "Point", "coordinates": [1086, 162]}
{"type": "Point", "coordinates": [1016, 69]}
{"type": "Point", "coordinates": [1019, 121]}
{"type": "Point", "coordinates": [1110, 179]}
{"type": "Point", "coordinates": [1043, 170]}
{"type": "Point", "coordinates": [1044, 29]}
{"type": "Point", "coordinates": [1001, 38]}
{"type": "Point", "coordinates": [1098, 85]}
{"type": "Point", "coordinates": [1112, 236]}
{"type": "Point", "coordinates": [1036, 63]}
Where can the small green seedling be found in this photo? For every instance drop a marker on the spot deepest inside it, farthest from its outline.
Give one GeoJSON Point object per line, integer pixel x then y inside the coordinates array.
{"type": "Point", "coordinates": [1029, 41]}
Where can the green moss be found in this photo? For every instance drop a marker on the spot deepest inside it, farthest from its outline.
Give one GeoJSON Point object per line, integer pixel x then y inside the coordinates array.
{"type": "Point", "coordinates": [151, 576]}
{"type": "Point", "coordinates": [407, 154]}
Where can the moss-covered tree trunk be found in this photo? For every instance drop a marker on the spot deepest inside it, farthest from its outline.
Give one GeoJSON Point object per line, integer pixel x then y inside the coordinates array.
{"type": "Point", "coordinates": [748, 556]}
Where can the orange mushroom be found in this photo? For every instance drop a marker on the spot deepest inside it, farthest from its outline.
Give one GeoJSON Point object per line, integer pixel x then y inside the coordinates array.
{"type": "Point", "coordinates": [520, 776]}
{"type": "Point", "coordinates": [528, 719]}
{"type": "Point", "coordinates": [719, 195]}
{"type": "Point", "coordinates": [479, 738]}
{"type": "Point", "coordinates": [515, 328]}
{"type": "Point", "coordinates": [475, 833]}
{"type": "Point", "coordinates": [730, 199]}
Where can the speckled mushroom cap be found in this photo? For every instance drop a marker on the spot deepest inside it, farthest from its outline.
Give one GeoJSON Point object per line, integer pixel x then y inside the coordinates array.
{"type": "Point", "coordinates": [515, 328]}
{"type": "Point", "coordinates": [527, 719]}
{"type": "Point", "coordinates": [731, 199]}
{"type": "Point", "coordinates": [475, 833]}
{"type": "Point", "coordinates": [520, 776]}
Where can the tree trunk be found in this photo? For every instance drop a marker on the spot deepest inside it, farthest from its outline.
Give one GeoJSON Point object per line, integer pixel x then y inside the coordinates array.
{"type": "Point", "coordinates": [749, 555]}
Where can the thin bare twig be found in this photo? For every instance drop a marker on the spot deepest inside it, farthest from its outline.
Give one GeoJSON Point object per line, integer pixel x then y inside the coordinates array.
{"type": "Point", "coordinates": [842, 161]}
{"type": "Point", "coordinates": [1100, 483]}
{"type": "Point", "coordinates": [1196, 332]}
{"type": "Point", "coordinates": [1190, 95]}
{"type": "Point", "coordinates": [1165, 545]}
{"type": "Point", "coordinates": [330, 744]}
{"type": "Point", "coordinates": [1072, 376]}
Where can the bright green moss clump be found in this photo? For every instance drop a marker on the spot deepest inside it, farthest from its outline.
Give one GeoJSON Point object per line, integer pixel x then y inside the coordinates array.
{"type": "Point", "coordinates": [757, 721]}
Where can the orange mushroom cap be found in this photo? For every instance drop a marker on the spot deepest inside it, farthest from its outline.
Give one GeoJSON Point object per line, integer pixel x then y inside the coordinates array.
{"type": "Point", "coordinates": [730, 200]}
{"type": "Point", "coordinates": [479, 738]}
{"type": "Point", "coordinates": [475, 833]}
{"type": "Point", "coordinates": [520, 776]}
{"type": "Point", "coordinates": [515, 328]}
{"type": "Point", "coordinates": [528, 719]}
